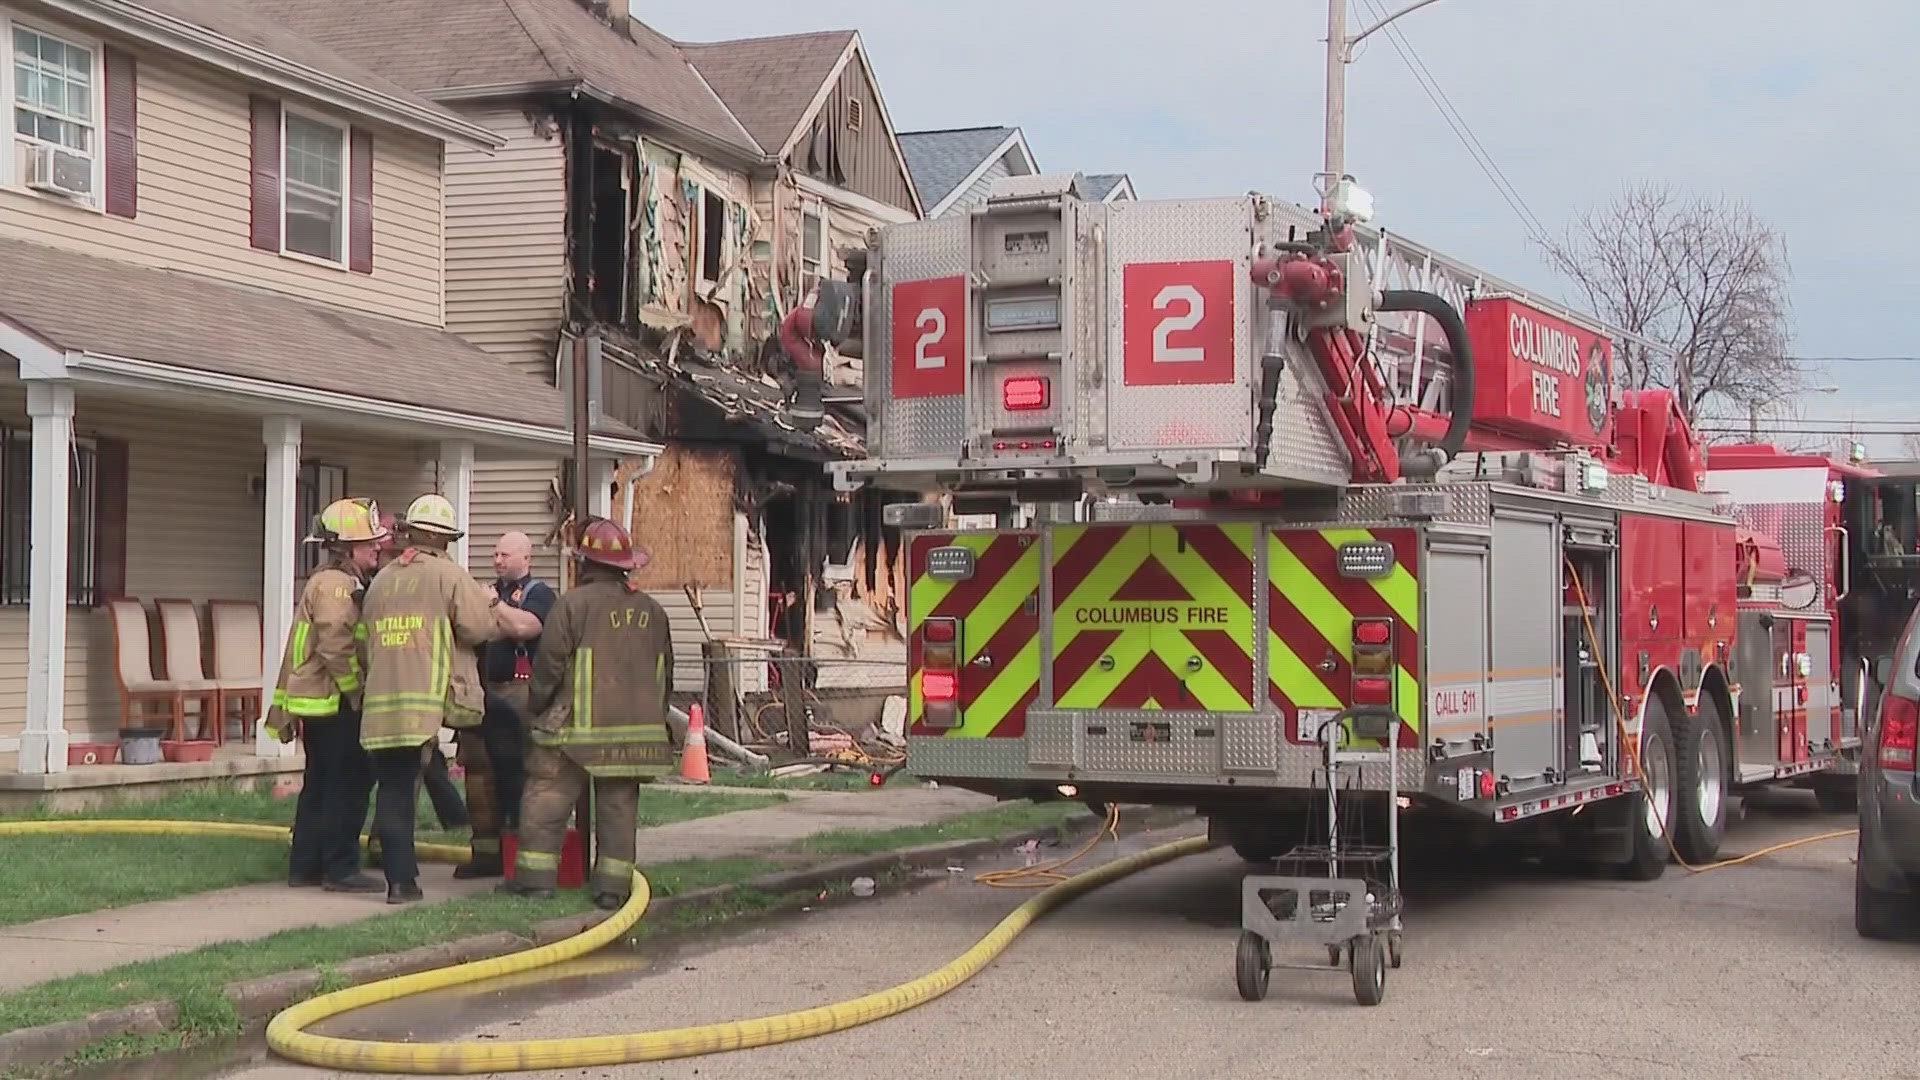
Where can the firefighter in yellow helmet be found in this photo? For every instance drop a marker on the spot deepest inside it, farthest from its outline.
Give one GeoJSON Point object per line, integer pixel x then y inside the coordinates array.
{"type": "Point", "coordinates": [598, 709]}
{"type": "Point", "coordinates": [319, 690]}
{"type": "Point", "coordinates": [424, 617]}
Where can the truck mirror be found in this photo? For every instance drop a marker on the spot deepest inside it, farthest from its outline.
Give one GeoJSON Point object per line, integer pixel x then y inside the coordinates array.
{"type": "Point", "coordinates": [836, 313]}
{"type": "Point", "coordinates": [1799, 591]}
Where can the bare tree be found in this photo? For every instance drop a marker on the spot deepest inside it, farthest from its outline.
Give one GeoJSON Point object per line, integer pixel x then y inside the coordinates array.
{"type": "Point", "coordinates": [1701, 276]}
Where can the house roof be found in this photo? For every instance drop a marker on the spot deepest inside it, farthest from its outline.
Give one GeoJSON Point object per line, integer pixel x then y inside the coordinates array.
{"type": "Point", "coordinates": [512, 44]}
{"type": "Point", "coordinates": [235, 33]}
{"type": "Point", "coordinates": [771, 83]}
{"type": "Point", "coordinates": [1101, 185]}
{"type": "Point", "coordinates": [81, 304]}
{"type": "Point", "coordinates": [942, 161]}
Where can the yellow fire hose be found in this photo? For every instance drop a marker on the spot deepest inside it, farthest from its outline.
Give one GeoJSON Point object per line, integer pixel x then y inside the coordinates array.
{"type": "Point", "coordinates": [287, 1037]}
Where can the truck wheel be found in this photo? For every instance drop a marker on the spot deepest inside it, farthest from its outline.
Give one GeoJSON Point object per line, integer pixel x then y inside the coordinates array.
{"type": "Point", "coordinates": [1837, 798]}
{"type": "Point", "coordinates": [1656, 803]}
{"type": "Point", "coordinates": [1700, 782]}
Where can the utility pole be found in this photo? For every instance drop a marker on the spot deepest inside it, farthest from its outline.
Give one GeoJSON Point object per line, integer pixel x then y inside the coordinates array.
{"type": "Point", "coordinates": [1339, 55]}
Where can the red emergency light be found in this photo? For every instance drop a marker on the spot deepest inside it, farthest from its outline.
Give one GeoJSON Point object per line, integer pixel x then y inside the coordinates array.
{"type": "Point", "coordinates": [942, 631]}
{"type": "Point", "coordinates": [1025, 393]}
{"type": "Point", "coordinates": [1371, 691]}
{"type": "Point", "coordinates": [1372, 632]}
{"type": "Point", "coordinates": [940, 686]}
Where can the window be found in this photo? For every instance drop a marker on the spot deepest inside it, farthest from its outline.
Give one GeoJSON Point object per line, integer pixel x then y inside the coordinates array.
{"type": "Point", "coordinates": [16, 521]}
{"type": "Point", "coordinates": [316, 487]}
{"type": "Point", "coordinates": [713, 235]}
{"type": "Point", "coordinates": [315, 173]}
{"type": "Point", "coordinates": [53, 91]}
{"type": "Point", "coordinates": [813, 248]}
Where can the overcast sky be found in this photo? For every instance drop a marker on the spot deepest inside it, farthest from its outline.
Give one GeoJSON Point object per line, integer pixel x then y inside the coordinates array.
{"type": "Point", "coordinates": [1804, 109]}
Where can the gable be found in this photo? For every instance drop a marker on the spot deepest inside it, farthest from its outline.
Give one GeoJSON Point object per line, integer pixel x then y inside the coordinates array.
{"type": "Point", "coordinates": [848, 140]}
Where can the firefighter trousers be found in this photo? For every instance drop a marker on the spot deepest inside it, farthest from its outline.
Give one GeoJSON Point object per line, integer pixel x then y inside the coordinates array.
{"type": "Point", "coordinates": [333, 799]}
{"type": "Point", "coordinates": [495, 766]}
{"type": "Point", "coordinates": [397, 773]}
{"type": "Point", "coordinates": [555, 783]}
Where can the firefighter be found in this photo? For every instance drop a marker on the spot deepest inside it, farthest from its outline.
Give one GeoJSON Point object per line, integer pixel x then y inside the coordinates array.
{"type": "Point", "coordinates": [597, 708]}
{"type": "Point", "coordinates": [448, 807]}
{"type": "Point", "coordinates": [319, 690]}
{"type": "Point", "coordinates": [425, 617]}
{"type": "Point", "coordinates": [494, 755]}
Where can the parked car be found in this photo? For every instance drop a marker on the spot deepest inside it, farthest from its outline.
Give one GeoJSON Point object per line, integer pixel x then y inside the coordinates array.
{"type": "Point", "coordinates": [1886, 883]}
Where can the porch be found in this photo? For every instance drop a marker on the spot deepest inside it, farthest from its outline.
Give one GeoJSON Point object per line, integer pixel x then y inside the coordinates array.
{"type": "Point", "coordinates": [173, 442]}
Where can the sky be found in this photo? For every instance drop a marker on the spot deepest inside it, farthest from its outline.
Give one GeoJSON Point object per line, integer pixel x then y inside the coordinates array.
{"type": "Point", "coordinates": [1803, 110]}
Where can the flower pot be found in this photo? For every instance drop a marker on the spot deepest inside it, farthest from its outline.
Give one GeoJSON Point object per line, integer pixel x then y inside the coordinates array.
{"type": "Point", "coordinates": [187, 749]}
{"type": "Point", "coordinates": [93, 753]}
{"type": "Point", "coordinates": [140, 746]}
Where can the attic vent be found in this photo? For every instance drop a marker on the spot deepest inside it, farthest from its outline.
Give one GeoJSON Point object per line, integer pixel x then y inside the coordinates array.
{"type": "Point", "coordinates": [853, 114]}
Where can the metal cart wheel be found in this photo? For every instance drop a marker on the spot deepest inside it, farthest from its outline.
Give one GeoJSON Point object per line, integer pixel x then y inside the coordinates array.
{"type": "Point", "coordinates": [1252, 965]}
{"type": "Point", "coordinates": [1333, 956]}
{"type": "Point", "coordinates": [1396, 946]}
{"type": "Point", "coordinates": [1369, 966]}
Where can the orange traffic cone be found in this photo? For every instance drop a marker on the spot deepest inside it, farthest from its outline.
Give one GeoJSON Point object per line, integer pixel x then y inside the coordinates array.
{"type": "Point", "coordinates": [693, 760]}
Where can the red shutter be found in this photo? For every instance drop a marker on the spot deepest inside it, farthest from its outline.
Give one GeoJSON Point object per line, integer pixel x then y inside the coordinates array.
{"type": "Point", "coordinates": [360, 203]}
{"type": "Point", "coordinates": [123, 134]}
{"type": "Point", "coordinates": [266, 173]}
{"type": "Point", "coordinates": [110, 516]}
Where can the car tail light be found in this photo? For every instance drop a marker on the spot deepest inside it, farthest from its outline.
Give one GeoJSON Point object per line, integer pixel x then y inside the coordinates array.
{"type": "Point", "coordinates": [1899, 732]}
{"type": "Point", "coordinates": [1025, 393]}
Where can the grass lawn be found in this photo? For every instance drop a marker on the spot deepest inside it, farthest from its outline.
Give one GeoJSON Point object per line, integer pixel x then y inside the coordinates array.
{"type": "Point", "coordinates": [44, 877]}
{"type": "Point", "coordinates": [832, 780]}
{"type": "Point", "coordinates": [194, 979]}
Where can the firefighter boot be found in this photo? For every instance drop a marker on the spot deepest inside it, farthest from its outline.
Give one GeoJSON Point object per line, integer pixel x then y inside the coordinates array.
{"type": "Point", "coordinates": [482, 809]}
{"type": "Point", "coordinates": [404, 892]}
{"type": "Point", "coordinates": [523, 890]}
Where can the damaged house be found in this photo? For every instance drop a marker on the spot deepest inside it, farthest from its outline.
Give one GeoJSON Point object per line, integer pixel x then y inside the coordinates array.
{"type": "Point", "coordinates": [669, 204]}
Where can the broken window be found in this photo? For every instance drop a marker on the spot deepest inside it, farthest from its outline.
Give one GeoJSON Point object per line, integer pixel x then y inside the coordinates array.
{"type": "Point", "coordinates": [813, 248]}
{"type": "Point", "coordinates": [713, 236]}
{"type": "Point", "coordinates": [608, 260]}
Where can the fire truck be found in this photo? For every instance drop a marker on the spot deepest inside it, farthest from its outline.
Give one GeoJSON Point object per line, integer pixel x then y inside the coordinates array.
{"type": "Point", "coordinates": [1251, 468]}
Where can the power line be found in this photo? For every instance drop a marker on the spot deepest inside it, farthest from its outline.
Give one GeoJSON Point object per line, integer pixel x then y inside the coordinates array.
{"type": "Point", "coordinates": [1461, 130]}
{"type": "Point", "coordinates": [1855, 359]}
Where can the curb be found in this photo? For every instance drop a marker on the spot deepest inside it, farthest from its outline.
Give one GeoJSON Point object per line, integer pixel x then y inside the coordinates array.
{"type": "Point", "coordinates": [259, 999]}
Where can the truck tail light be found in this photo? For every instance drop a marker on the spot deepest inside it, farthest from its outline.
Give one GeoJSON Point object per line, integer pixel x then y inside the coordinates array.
{"type": "Point", "coordinates": [1371, 690]}
{"type": "Point", "coordinates": [1373, 652]}
{"type": "Point", "coordinates": [1899, 732]}
{"type": "Point", "coordinates": [1372, 631]}
{"type": "Point", "coordinates": [940, 672]}
{"type": "Point", "coordinates": [1025, 393]}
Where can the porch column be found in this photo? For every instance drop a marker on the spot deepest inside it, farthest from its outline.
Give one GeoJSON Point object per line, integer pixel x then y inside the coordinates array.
{"type": "Point", "coordinates": [600, 491]}
{"type": "Point", "coordinates": [43, 745]}
{"type": "Point", "coordinates": [456, 483]}
{"type": "Point", "coordinates": [282, 437]}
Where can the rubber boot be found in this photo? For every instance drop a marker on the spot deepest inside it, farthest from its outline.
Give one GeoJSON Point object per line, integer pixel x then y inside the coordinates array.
{"type": "Point", "coordinates": [607, 901]}
{"type": "Point", "coordinates": [304, 881]}
{"type": "Point", "coordinates": [353, 883]}
{"type": "Point", "coordinates": [405, 892]}
{"type": "Point", "coordinates": [480, 866]}
{"type": "Point", "coordinates": [527, 892]}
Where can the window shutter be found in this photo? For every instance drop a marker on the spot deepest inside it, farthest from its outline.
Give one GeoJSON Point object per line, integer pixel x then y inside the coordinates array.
{"type": "Point", "coordinates": [110, 516]}
{"type": "Point", "coordinates": [360, 199]}
{"type": "Point", "coordinates": [266, 173]}
{"type": "Point", "coordinates": [123, 134]}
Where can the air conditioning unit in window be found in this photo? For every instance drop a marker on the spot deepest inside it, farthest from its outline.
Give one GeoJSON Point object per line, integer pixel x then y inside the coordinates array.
{"type": "Point", "coordinates": [60, 171]}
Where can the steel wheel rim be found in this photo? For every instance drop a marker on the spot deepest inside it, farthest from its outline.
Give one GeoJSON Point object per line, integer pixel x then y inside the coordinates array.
{"type": "Point", "coordinates": [1712, 774]}
{"type": "Point", "coordinates": [1659, 785]}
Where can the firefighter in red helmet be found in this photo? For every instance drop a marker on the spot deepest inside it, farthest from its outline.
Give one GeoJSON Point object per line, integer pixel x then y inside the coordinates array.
{"type": "Point", "coordinates": [597, 708]}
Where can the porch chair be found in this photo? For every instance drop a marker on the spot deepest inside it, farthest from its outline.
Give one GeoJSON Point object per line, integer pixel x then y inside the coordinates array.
{"type": "Point", "coordinates": [140, 692]}
{"type": "Point", "coordinates": [238, 657]}
{"type": "Point", "coordinates": [181, 650]}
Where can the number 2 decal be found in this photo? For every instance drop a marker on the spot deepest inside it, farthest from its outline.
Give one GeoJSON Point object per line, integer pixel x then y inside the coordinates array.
{"type": "Point", "coordinates": [932, 325]}
{"type": "Point", "coordinates": [1178, 323]}
{"type": "Point", "coordinates": [1163, 353]}
{"type": "Point", "coordinates": [929, 324]}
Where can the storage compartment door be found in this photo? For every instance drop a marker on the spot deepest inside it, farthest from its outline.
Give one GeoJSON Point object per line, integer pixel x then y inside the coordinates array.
{"type": "Point", "coordinates": [1525, 692]}
{"type": "Point", "coordinates": [1458, 660]}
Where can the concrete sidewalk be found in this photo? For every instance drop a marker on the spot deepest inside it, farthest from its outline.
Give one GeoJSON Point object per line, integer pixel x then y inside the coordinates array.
{"type": "Point", "coordinates": [79, 944]}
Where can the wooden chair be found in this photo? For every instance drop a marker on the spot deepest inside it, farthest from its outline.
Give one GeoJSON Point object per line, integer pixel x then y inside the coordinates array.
{"type": "Point", "coordinates": [181, 649]}
{"type": "Point", "coordinates": [140, 692]}
{"type": "Point", "coordinates": [239, 654]}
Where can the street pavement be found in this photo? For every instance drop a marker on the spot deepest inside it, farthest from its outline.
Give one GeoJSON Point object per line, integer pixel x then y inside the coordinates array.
{"type": "Point", "coordinates": [1751, 971]}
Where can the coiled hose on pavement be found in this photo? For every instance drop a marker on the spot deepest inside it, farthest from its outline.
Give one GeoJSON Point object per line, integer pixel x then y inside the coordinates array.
{"type": "Point", "coordinates": [287, 1037]}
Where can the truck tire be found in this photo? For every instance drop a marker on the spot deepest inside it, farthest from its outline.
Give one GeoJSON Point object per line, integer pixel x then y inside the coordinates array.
{"type": "Point", "coordinates": [1656, 802]}
{"type": "Point", "coordinates": [1836, 797]}
{"type": "Point", "coordinates": [1700, 782]}
{"type": "Point", "coordinates": [1877, 914]}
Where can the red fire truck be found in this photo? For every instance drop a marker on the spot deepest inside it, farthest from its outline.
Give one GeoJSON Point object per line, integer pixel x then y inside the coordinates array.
{"type": "Point", "coordinates": [1252, 467]}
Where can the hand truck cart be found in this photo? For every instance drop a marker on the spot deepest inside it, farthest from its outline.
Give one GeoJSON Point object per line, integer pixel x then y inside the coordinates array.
{"type": "Point", "coordinates": [1354, 916]}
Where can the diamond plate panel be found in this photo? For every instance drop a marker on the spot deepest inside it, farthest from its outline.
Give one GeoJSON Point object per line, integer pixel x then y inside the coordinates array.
{"type": "Point", "coordinates": [1305, 446]}
{"type": "Point", "coordinates": [1250, 744]}
{"type": "Point", "coordinates": [1185, 753]}
{"type": "Point", "coordinates": [1091, 311]}
{"type": "Point", "coordinates": [1150, 418]}
{"type": "Point", "coordinates": [914, 251]}
{"type": "Point", "coordinates": [1050, 741]}
{"type": "Point", "coordinates": [1298, 767]}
